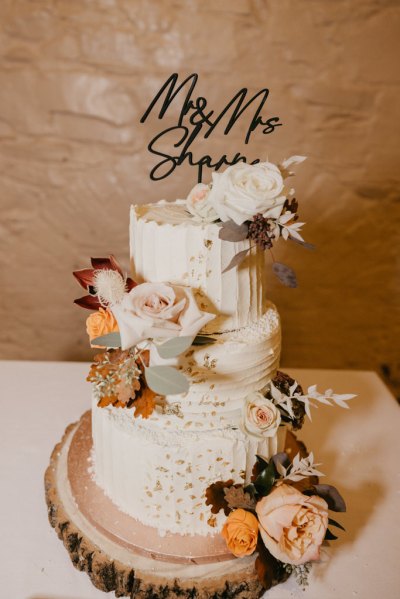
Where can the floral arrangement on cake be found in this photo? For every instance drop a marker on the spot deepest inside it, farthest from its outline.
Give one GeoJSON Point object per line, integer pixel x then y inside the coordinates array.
{"type": "Point", "coordinates": [252, 201]}
{"type": "Point", "coordinates": [282, 513]}
{"type": "Point", "coordinates": [127, 317]}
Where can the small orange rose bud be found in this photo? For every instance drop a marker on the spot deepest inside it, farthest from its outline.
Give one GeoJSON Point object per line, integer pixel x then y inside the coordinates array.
{"type": "Point", "coordinates": [240, 532]}
{"type": "Point", "coordinates": [100, 323]}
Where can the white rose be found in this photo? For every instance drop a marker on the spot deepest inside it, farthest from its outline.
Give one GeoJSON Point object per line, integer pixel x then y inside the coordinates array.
{"type": "Point", "coordinates": [261, 418]}
{"type": "Point", "coordinates": [152, 310]}
{"type": "Point", "coordinates": [199, 205]}
{"type": "Point", "coordinates": [244, 190]}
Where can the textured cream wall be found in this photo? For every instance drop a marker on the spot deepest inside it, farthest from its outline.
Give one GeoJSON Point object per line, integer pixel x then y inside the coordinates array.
{"type": "Point", "coordinates": [75, 77]}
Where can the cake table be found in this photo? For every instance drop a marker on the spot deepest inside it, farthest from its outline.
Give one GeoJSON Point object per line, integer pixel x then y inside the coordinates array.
{"type": "Point", "coordinates": [358, 447]}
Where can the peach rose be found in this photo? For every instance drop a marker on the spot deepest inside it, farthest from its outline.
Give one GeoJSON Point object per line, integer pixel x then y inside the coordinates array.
{"type": "Point", "coordinates": [198, 205]}
{"type": "Point", "coordinates": [260, 418]}
{"type": "Point", "coordinates": [240, 532]}
{"type": "Point", "coordinates": [100, 323]}
{"type": "Point", "coordinates": [292, 525]}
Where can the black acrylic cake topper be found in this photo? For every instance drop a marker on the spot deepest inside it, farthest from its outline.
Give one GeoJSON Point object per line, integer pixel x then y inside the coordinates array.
{"type": "Point", "coordinates": [197, 121]}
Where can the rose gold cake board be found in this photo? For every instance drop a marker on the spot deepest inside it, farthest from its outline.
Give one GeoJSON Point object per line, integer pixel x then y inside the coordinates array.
{"type": "Point", "coordinates": [122, 555]}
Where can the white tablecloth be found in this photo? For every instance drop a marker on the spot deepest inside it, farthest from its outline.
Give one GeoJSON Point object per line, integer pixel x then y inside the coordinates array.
{"type": "Point", "coordinates": [359, 449]}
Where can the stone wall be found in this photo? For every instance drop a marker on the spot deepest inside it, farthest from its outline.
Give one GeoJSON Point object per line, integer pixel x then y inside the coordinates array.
{"type": "Point", "coordinates": [75, 78]}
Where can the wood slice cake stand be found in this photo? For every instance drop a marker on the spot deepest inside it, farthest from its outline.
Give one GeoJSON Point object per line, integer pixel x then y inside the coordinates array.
{"type": "Point", "coordinates": [122, 555]}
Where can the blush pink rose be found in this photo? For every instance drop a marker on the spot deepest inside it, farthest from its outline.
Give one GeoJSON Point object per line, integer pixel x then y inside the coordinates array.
{"type": "Point", "coordinates": [158, 310]}
{"type": "Point", "coordinates": [198, 203]}
{"type": "Point", "coordinates": [292, 525]}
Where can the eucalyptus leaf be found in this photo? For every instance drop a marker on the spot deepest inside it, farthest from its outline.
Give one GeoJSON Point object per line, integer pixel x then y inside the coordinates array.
{"type": "Point", "coordinates": [265, 480]}
{"type": "Point", "coordinates": [203, 340]}
{"type": "Point", "coordinates": [165, 380]}
{"type": "Point", "coordinates": [337, 524]}
{"type": "Point", "coordinates": [332, 497]}
{"type": "Point", "coordinates": [230, 231]}
{"type": "Point", "coordinates": [285, 274]}
{"type": "Point", "coordinates": [236, 260]}
{"type": "Point", "coordinates": [329, 536]}
{"type": "Point", "coordinates": [174, 347]}
{"type": "Point", "coordinates": [109, 340]}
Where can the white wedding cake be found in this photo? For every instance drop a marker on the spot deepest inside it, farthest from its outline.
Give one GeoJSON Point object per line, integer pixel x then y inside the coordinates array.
{"type": "Point", "coordinates": [158, 469]}
{"type": "Point", "coordinates": [189, 410]}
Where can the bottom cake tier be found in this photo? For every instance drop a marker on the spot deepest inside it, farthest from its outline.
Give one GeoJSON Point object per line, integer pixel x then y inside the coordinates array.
{"type": "Point", "coordinates": [160, 476]}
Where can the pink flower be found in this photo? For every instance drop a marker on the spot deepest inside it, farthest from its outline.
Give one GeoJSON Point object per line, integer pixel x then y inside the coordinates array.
{"type": "Point", "coordinates": [292, 525]}
{"type": "Point", "coordinates": [157, 310]}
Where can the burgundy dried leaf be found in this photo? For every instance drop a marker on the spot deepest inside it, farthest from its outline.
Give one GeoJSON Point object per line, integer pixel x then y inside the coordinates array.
{"type": "Point", "coordinates": [236, 260]}
{"type": "Point", "coordinates": [90, 302]}
{"type": "Point", "coordinates": [215, 496]}
{"type": "Point", "coordinates": [84, 277]}
{"type": "Point", "coordinates": [269, 570]}
{"type": "Point", "coordinates": [109, 263]}
{"type": "Point", "coordinates": [130, 284]}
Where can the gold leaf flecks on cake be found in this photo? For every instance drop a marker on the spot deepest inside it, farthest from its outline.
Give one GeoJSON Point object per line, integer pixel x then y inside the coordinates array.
{"type": "Point", "coordinates": [149, 493]}
{"type": "Point", "coordinates": [212, 521]}
{"type": "Point", "coordinates": [242, 474]}
{"type": "Point", "coordinates": [219, 459]}
{"type": "Point", "coordinates": [193, 497]}
{"type": "Point", "coordinates": [189, 469]}
{"type": "Point", "coordinates": [158, 486]}
{"type": "Point", "coordinates": [179, 500]}
{"type": "Point", "coordinates": [188, 486]}
{"type": "Point", "coordinates": [208, 243]}
{"type": "Point", "coordinates": [180, 462]}
{"type": "Point", "coordinates": [201, 517]}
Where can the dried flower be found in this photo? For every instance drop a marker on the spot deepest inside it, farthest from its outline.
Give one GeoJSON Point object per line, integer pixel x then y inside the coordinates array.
{"type": "Point", "coordinates": [103, 287]}
{"type": "Point", "coordinates": [260, 231]}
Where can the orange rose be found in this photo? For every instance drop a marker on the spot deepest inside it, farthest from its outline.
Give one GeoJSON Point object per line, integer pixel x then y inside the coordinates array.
{"type": "Point", "coordinates": [240, 532]}
{"type": "Point", "coordinates": [100, 323]}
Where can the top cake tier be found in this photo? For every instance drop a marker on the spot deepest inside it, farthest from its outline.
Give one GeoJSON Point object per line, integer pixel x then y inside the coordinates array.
{"type": "Point", "coordinates": [168, 245]}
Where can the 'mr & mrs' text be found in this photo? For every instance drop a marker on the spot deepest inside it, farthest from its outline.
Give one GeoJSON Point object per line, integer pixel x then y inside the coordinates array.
{"type": "Point", "coordinates": [197, 121]}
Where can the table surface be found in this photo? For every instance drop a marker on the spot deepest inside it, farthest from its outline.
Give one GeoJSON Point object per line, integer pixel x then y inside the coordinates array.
{"type": "Point", "coordinates": [359, 449]}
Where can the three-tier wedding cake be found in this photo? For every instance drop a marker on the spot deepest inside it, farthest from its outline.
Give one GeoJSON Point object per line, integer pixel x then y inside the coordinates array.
{"type": "Point", "coordinates": [189, 409]}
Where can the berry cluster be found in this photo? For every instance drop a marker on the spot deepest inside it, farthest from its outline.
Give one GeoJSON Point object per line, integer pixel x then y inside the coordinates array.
{"type": "Point", "coordinates": [260, 232]}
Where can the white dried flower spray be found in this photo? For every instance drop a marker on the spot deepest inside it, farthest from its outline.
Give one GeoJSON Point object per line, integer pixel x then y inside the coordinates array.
{"type": "Point", "coordinates": [110, 286]}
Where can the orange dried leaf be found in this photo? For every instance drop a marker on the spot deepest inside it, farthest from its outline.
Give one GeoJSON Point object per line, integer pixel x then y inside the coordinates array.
{"type": "Point", "coordinates": [145, 404]}
{"type": "Point", "coordinates": [107, 401]}
{"type": "Point", "coordinates": [215, 496]}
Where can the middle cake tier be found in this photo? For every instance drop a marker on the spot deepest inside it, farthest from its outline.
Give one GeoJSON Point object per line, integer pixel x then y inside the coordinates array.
{"type": "Point", "coordinates": [157, 469]}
